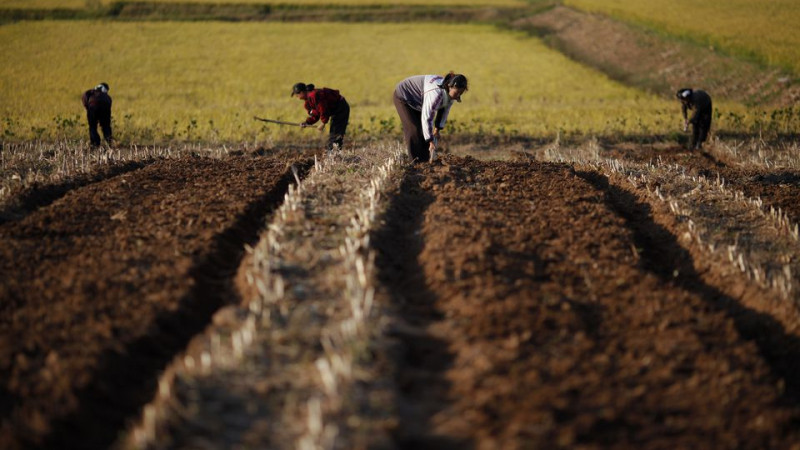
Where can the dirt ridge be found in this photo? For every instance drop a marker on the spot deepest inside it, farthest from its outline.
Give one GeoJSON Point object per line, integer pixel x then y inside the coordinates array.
{"type": "Point", "coordinates": [74, 382]}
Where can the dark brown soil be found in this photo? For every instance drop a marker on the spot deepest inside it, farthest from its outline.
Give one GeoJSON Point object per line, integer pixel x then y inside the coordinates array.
{"type": "Point", "coordinates": [536, 306]}
{"type": "Point", "coordinates": [105, 285]}
{"type": "Point", "coordinates": [777, 188]}
{"type": "Point", "coordinates": [546, 308]}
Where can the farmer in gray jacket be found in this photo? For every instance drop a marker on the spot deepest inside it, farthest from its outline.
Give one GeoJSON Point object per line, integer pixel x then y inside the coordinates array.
{"type": "Point", "coordinates": [700, 102]}
{"type": "Point", "coordinates": [423, 103]}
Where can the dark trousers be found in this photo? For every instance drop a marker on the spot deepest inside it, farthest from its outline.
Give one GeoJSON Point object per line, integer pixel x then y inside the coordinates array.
{"type": "Point", "coordinates": [102, 116]}
{"type": "Point", "coordinates": [412, 130]}
{"type": "Point", "coordinates": [339, 120]}
{"type": "Point", "coordinates": [700, 127]}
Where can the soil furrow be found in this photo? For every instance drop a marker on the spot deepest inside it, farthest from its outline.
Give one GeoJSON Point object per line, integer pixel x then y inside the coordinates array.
{"type": "Point", "coordinates": [562, 335]}
{"type": "Point", "coordinates": [664, 256]}
{"type": "Point", "coordinates": [111, 281]}
{"type": "Point", "coordinates": [38, 196]}
{"type": "Point", "coordinates": [423, 358]}
{"type": "Point", "coordinates": [779, 188]}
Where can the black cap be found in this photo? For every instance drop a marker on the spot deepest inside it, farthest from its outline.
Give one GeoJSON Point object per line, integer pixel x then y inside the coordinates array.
{"type": "Point", "coordinates": [298, 88]}
{"type": "Point", "coordinates": [459, 81]}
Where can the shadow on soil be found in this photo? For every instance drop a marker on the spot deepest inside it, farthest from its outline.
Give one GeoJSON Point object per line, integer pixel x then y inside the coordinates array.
{"type": "Point", "coordinates": [127, 380]}
{"type": "Point", "coordinates": [422, 359]}
{"type": "Point", "coordinates": [663, 255]}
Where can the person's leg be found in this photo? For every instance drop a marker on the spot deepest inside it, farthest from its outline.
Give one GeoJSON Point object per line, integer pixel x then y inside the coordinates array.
{"type": "Point", "coordinates": [695, 135]}
{"type": "Point", "coordinates": [105, 124]}
{"type": "Point", "coordinates": [94, 137]}
{"type": "Point", "coordinates": [705, 126]}
{"type": "Point", "coordinates": [412, 130]}
{"type": "Point", "coordinates": [339, 123]}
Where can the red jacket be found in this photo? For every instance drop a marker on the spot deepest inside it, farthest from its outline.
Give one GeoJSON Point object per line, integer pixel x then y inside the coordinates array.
{"type": "Point", "coordinates": [321, 104]}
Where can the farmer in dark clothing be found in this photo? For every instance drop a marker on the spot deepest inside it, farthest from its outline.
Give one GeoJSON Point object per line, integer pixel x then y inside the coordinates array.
{"type": "Point", "coordinates": [700, 102]}
{"type": "Point", "coordinates": [423, 103]}
{"type": "Point", "coordinates": [98, 110]}
{"type": "Point", "coordinates": [323, 105]}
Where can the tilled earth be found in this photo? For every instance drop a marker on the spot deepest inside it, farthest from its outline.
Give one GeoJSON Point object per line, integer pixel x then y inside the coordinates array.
{"type": "Point", "coordinates": [779, 188]}
{"type": "Point", "coordinates": [545, 310]}
{"type": "Point", "coordinates": [538, 306]}
{"type": "Point", "coordinates": [105, 285]}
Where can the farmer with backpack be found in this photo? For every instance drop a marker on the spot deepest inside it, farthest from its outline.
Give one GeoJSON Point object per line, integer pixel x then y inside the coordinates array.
{"type": "Point", "coordinates": [98, 111]}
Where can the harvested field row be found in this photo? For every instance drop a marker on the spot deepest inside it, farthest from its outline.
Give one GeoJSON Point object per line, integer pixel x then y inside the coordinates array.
{"type": "Point", "coordinates": [102, 287]}
{"type": "Point", "coordinates": [491, 305]}
{"type": "Point", "coordinates": [297, 364]}
{"type": "Point", "coordinates": [729, 203]}
{"type": "Point", "coordinates": [539, 316]}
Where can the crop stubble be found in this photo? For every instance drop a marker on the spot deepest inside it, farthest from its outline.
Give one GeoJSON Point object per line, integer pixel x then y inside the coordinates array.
{"type": "Point", "coordinates": [103, 286]}
{"type": "Point", "coordinates": [537, 306]}
{"type": "Point", "coordinates": [542, 311]}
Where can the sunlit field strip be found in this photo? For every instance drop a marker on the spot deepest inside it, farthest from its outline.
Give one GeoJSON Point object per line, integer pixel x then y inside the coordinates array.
{"type": "Point", "coordinates": [78, 4]}
{"type": "Point", "coordinates": [764, 29]}
{"type": "Point", "coordinates": [205, 81]}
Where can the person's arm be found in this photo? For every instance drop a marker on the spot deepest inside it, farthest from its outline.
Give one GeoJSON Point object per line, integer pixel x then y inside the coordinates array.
{"type": "Point", "coordinates": [685, 120]}
{"type": "Point", "coordinates": [441, 117]}
{"type": "Point", "coordinates": [431, 101]}
{"type": "Point", "coordinates": [313, 114]}
{"type": "Point", "coordinates": [695, 114]}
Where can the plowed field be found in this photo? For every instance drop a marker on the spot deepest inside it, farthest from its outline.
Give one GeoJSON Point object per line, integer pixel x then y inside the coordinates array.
{"type": "Point", "coordinates": [105, 285]}
{"type": "Point", "coordinates": [528, 304]}
{"type": "Point", "coordinates": [550, 309]}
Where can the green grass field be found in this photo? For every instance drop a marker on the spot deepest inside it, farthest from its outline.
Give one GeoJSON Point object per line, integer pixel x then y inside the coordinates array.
{"type": "Point", "coordinates": [205, 81]}
{"type": "Point", "coordinates": [763, 30]}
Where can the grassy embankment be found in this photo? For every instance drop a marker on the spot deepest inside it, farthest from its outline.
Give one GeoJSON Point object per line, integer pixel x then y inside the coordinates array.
{"type": "Point", "coordinates": [764, 31]}
{"type": "Point", "coordinates": [205, 81]}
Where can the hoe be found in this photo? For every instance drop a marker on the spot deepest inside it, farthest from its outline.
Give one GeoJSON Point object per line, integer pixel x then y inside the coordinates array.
{"type": "Point", "coordinates": [279, 122]}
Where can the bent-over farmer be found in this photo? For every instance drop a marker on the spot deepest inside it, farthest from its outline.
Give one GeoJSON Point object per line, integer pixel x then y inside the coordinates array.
{"type": "Point", "coordinates": [323, 105]}
{"type": "Point", "coordinates": [699, 101]}
{"type": "Point", "coordinates": [98, 111]}
{"type": "Point", "coordinates": [423, 103]}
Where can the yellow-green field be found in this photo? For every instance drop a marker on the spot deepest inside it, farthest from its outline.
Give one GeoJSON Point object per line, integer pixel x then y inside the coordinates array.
{"type": "Point", "coordinates": [206, 80]}
{"type": "Point", "coordinates": [77, 4]}
{"type": "Point", "coordinates": [767, 30]}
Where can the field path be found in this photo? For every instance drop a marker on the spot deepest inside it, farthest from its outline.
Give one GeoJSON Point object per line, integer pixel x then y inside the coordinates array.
{"type": "Point", "coordinates": [105, 285]}
{"type": "Point", "coordinates": [542, 311]}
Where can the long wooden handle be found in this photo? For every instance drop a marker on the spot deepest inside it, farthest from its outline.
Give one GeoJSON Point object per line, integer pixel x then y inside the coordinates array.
{"type": "Point", "coordinates": [279, 122]}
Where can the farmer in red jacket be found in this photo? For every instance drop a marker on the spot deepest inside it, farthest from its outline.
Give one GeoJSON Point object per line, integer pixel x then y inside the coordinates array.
{"type": "Point", "coordinates": [98, 110]}
{"type": "Point", "coordinates": [323, 105]}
